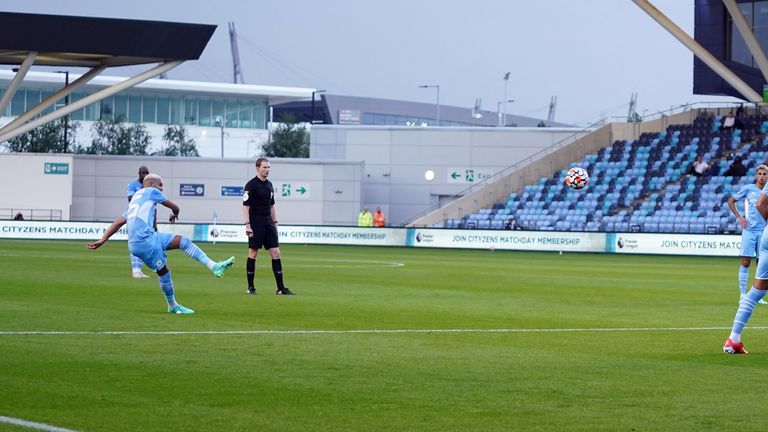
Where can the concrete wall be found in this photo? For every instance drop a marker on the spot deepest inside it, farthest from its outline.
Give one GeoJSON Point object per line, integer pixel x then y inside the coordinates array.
{"type": "Point", "coordinates": [331, 190]}
{"type": "Point", "coordinates": [33, 190]}
{"type": "Point", "coordinates": [93, 188]}
{"type": "Point", "coordinates": [396, 159]}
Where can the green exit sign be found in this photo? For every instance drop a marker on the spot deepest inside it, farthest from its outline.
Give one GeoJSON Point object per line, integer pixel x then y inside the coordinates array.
{"type": "Point", "coordinates": [56, 168]}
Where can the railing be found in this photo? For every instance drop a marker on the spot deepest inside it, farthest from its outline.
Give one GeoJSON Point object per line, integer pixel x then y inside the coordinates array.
{"type": "Point", "coordinates": [30, 214]}
{"type": "Point", "coordinates": [719, 108]}
{"type": "Point", "coordinates": [539, 154]}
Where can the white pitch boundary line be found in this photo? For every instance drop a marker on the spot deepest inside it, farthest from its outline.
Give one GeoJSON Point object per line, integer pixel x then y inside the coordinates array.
{"type": "Point", "coordinates": [364, 331]}
{"type": "Point", "coordinates": [33, 425]}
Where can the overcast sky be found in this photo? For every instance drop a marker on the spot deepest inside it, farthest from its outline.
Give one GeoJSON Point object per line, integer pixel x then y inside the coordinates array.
{"type": "Point", "coordinates": [590, 54]}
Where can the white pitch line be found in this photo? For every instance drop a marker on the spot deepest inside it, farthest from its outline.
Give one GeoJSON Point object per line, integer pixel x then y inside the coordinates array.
{"type": "Point", "coordinates": [33, 425]}
{"type": "Point", "coordinates": [363, 331]}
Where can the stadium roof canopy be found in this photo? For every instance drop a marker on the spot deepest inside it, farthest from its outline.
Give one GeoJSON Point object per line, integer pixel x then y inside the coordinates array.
{"type": "Point", "coordinates": [88, 42]}
{"type": "Point", "coordinates": [95, 43]}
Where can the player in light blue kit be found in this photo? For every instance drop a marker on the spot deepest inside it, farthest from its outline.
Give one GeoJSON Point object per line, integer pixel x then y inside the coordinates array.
{"type": "Point", "coordinates": [149, 245]}
{"type": "Point", "coordinates": [752, 224]}
{"type": "Point", "coordinates": [134, 186]}
{"type": "Point", "coordinates": [734, 345]}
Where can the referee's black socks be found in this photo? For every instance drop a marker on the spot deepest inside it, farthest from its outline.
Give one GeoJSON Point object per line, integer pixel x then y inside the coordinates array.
{"type": "Point", "coordinates": [250, 268]}
{"type": "Point", "coordinates": [277, 269]}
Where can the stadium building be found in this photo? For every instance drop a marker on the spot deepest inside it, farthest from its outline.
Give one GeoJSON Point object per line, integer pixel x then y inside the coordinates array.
{"type": "Point", "coordinates": [225, 120]}
{"type": "Point", "coordinates": [356, 110]}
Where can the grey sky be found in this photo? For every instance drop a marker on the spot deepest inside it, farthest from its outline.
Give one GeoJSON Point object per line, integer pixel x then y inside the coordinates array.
{"type": "Point", "coordinates": [591, 54]}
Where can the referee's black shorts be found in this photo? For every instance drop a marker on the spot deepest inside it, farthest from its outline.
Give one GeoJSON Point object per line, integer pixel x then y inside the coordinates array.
{"type": "Point", "coordinates": [264, 234]}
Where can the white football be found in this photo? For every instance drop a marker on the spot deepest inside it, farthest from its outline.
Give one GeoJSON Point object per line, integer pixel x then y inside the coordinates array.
{"type": "Point", "coordinates": [576, 178]}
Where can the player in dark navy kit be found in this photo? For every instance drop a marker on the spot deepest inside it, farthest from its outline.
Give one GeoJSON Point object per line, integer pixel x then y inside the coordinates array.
{"type": "Point", "coordinates": [261, 225]}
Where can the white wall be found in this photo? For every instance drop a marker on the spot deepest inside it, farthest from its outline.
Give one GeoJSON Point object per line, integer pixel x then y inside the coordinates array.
{"type": "Point", "coordinates": [27, 186]}
{"type": "Point", "coordinates": [331, 188]}
{"type": "Point", "coordinates": [396, 159]}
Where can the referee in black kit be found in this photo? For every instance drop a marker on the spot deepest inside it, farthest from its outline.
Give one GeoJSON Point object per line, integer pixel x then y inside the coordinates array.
{"type": "Point", "coordinates": [261, 225]}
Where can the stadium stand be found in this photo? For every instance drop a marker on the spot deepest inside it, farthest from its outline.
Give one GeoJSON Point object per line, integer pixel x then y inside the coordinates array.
{"type": "Point", "coordinates": [641, 185]}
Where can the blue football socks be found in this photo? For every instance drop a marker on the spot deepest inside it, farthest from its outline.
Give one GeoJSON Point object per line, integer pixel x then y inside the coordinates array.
{"type": "Point", "coordinates": [166, 284]}
{"type": "Point", "coordinates": [743, 277]}
{"type": "Point", "coordinates": [136, 263]}
{"type": "Point", "coordinates": [746, 307]}
{"type": "Point", "coordinates": [195, 252]}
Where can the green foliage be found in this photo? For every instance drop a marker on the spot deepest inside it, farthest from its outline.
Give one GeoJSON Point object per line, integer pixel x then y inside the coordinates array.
{"type": "Point", "coordinates": [114, 137]}
{"type": "Point", "coordinates": [177, 143]}
{"type": "Point", "coordinates": [542, 124]}
{"type": "Point", "coordinates": [635, 118]}
{"type": "Point", "coordinates": [48, 138]}
{"type": "Point", "coordinates": [289, 140]}
{"type": "Point", "coordinates": [600, 344]}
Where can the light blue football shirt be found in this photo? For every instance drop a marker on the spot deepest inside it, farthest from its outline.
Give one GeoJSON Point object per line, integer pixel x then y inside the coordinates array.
{"type": "Point", "coordinates": [141, 213]}
{"type": "Point", "coordinates": [133, 186]}
{"type": "Point", "coordinates": [749, 195]}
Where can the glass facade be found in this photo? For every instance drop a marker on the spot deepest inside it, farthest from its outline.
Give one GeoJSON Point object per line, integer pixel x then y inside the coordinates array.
{"type": "Point", "coordinates": [756, 14]}
{"type": "Point", "coordinates": [137, 107]}
{"type": "Point", "coordinates": [368, 118]}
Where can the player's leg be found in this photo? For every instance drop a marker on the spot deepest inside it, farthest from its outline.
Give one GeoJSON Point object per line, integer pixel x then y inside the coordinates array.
{"type": "Point", "coordinates": [744, 274]}
{"type": "Point", "coordinates": [272, 244]}
{"type": "Point", "coordinates": [733, 344]}
{"type": "Point", "coordinates": [166, 284]}
{"type": "Point", "coordinates": [191, 249]}
{"type": "Point", "coordinates": [152, 252]}
{"type": "Point", "coordinates": [255, 242]}
{"type": "Point", "coordinates": [277, 270]}
{"type": "Point", "coordinates": [136, 264]}
{"type": "Point", "coordinates": [750, 248]}
{"type": "Point", "coordinates": [250, 268]}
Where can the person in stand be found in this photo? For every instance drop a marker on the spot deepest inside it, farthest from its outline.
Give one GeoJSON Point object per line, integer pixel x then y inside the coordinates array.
{"type": "Point", "coordinates": [145, 242]}
{"type": "Point", "coordinates": [379, 220]}
{"type": "Point", "coordinates": [699, 167]}
{"type": "Point", "coordinates": [737, 168]}
{"type": "Point", "coordinates": [510, 225]}
{"type": "Point", "coordinates": [134, 186]}
{"type": "Point", "coordinates": [751, 222]}
{"type": "Point", "coordinates": [729, 122]}
{"type": "Point", "coordinates": [365, 218]}
{"type": "Point", "coordinates": [261, 226]}
{"type": "Point", "coordinates": [18, 217]}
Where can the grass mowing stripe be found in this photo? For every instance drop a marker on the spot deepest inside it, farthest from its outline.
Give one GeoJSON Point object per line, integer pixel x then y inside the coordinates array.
{"type": "Point", "coordinates": [33, 425]}
{"type": "Point", "coordinates": [365, 331]}
{"type": "Point", "coordinates": [453, 340]}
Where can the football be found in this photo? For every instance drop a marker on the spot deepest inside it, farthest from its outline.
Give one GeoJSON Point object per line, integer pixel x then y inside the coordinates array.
{"type": "Point", "coordinates": [576, 178]}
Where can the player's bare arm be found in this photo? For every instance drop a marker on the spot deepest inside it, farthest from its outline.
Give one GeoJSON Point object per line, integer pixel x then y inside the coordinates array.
{"type": "Point", "coordinates": [732, 204]}
{"type": "Point", "coordinates": [116, 225]}
{"type": "Point", "coordinates": [174, 208]}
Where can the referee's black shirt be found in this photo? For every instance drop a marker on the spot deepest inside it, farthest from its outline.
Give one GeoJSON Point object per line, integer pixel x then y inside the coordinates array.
{"type": "Point", "coordinates": [260, 196]}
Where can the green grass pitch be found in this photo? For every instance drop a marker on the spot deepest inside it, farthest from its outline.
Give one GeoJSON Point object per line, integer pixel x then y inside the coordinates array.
{"type": "Point", "coordinates": [572, 356]}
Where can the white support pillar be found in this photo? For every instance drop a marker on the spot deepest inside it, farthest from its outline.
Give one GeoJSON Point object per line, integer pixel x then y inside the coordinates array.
{"type": "Point", "coordinates": [11, 90]}
{"type": "Point", "coordinates": [699, 51]}
{"type": "Point", "coordinates": [20, 120]}
{"type": "Point", "coordinates": [101, 94]}
{"type": "Point", "coordinates": [749, 37]}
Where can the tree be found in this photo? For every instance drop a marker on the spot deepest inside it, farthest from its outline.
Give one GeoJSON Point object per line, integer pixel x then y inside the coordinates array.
{"type": "Point", "coordinates": [48, 138]}
{"type": "Point", "coordinates": [289, 140]}
{"type": "Point", "coordinates": [114, 137]}
{"type": "Point", "coordinates": [542, 124]}
{"type": "Point", "coordinates": [177, 143]}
